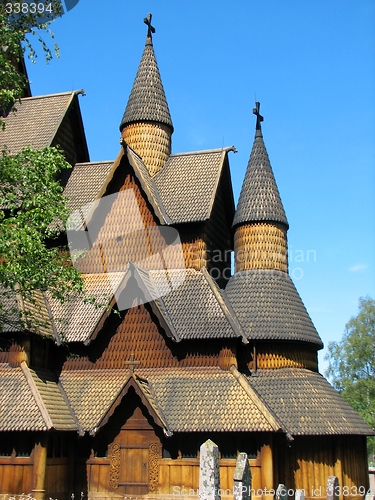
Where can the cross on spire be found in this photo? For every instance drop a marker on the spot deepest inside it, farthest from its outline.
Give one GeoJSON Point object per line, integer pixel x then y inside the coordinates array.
{"type": "Point", "coordinates": [151, 29]}
{"type": "Point", "coordinates": [259, 116]}
{"type": "Point", "coordinates": [132, 363]}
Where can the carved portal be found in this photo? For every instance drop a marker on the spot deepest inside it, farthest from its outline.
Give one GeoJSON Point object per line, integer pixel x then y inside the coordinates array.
{"type": "Point", "coordinates": [114, 464]}
{"type": "Point", "coordinates": [154, 455]}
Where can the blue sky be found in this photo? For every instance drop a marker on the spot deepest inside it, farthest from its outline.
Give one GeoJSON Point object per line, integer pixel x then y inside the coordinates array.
{"type": "Point", "coordinates": [312, 67]}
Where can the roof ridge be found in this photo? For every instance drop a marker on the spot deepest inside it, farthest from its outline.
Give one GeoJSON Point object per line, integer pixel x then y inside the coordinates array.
{"type": "Point", "coordinates": [57, 94]}
{"type": "Point", "coordinates": [204, 151]}
{"type": "Point", "coordinates": [224, 305]}
{"type": "Point", "coordinates": [254, 396]}
{"type": "Point", "coordinates": [36, 394]}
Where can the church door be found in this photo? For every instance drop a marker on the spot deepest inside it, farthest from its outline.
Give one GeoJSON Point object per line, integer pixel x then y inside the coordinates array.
{"type": "Point", "coordinates": [133, 457]}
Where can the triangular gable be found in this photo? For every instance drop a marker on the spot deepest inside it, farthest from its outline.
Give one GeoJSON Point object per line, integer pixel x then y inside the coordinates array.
{"type": "Point", "coordinates": [144, 391]}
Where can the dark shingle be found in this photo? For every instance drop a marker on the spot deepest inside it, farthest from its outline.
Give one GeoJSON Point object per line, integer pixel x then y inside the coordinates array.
{"type": "Point", "coordinates": [306, 403]}
{"type": "Point", "coordinates": [259, 199]}
{"type": "Point", "coordinates": [188, 182]}
{"type": "Point", "coordinates": [269, 307]}
{"type": "Point", "coordinates": [35, 122]}
{"type": "Point", "coordinates": [147, 101]}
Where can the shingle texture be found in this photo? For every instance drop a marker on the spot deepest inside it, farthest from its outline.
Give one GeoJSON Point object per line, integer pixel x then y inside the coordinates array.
{"type": "Point", "coordinates": [53, 400]}
{"type": "Point", "coordinates": [35, 122]}
{"type": "Point", "coordinates": [204, 399]}
{"type": "Point", "coordinates": [306, 403]}
{"type": "Point", "coordinates": [259, 199]}
{"type": "Point", "coordinates": [269, 307]}
{"type": "Point", "coordinates": [76, 319]}
{"type": "Point", "coordinates": [85, 183]}
{"type": "Point", "coordinates": [186, 399]}
{"type": "Point", "coordinates": [18, 408]}
{"type": "Point", "coordinates": [92, 392]}
{"type": "Point", "coordinates": [187, 184]}
{"type": "Point", "coordinates": [11, 319]}
{"type": "Point", "coordinates": [195, 293]}
{"type": "Point", "coordinates": [147, 101]}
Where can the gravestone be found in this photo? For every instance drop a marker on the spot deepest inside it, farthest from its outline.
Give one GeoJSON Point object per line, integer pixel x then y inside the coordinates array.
{"type": "Point", "coordinates": [333, 488]}
{"type": "Point", "coordinates": [299, 495]}
{"type": "Point", "coordinates": [242, 478]}
{"type": "Point", "coordinates": [281, 492]}
{"type": "Point", "coordinates": [209, 476]}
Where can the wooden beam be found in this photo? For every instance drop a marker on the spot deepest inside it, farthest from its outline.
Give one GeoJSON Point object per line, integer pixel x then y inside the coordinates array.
{"type": "Point", "coordinates": [266, 454]}
{"type": "Point", "coordinates": [39, 467]}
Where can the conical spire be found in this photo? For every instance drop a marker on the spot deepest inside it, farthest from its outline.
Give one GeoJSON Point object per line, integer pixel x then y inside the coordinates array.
{"type": "Point", "coordinates": [259, 199]}
{"type": "Point", "coordinates": [147, 101]}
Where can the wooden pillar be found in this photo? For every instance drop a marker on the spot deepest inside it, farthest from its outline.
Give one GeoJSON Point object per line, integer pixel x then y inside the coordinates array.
{"type": "Point", "coordinates": [267, 468]}
{"type": "Point", "coordinates": [39, 466]}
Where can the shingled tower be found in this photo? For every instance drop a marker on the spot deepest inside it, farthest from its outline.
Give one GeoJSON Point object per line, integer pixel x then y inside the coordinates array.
{"type": "Point", "coordinates": [260, 223]}
{"type": "Point", "coordinates": [146, 125]}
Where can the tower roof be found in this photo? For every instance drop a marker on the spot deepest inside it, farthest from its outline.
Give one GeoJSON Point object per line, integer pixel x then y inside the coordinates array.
{"type": "Point", "coordinates": [259, 199]}
{"type": "Point", "coordinates": [147, 101]}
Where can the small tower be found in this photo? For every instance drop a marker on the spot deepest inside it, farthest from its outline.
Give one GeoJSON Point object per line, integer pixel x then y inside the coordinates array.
{"type": "Point", "coordinates": [146, 125]}
{"type": "Point", "coordinates": [260, 223]}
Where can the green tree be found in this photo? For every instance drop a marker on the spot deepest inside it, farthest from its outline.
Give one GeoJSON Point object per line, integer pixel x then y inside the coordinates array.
{"type": "Point", "coordinates": [352, 364]}
{"type": "Point", "coordinates": [30, 198]}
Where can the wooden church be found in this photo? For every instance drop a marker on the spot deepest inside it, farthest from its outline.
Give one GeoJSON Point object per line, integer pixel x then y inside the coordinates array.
{"type": "Point", "coordinates": [114, 399]}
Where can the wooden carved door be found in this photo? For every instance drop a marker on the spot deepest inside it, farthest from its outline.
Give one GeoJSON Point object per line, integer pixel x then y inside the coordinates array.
{"type": "Point", "coordinates": [134, 457]}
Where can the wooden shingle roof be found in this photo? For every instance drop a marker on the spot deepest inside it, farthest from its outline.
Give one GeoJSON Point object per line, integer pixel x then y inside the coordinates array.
{"type": "Point", "coordinates": [36, 121]}
{"type": "Point", "coordinates": [259, 198]}
{"type": "Point", "coordinates": [147, 101]}
{"type": "Point", "coordinates": [31, 400]}
{"type": "Point", "coordinates": [188, 183]}
{"type": "Point", "coordinates": [306, 403]}
{"type": "Point", "coordinates": [269, 307]}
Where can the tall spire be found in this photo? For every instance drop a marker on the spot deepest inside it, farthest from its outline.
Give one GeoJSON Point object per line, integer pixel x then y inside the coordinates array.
{"type": "Point", "coordinates": [260, 222]}
{"type": "Point", "coordinates": [259, 199]}
{"type": "Point", "coordinates": [147, 125]}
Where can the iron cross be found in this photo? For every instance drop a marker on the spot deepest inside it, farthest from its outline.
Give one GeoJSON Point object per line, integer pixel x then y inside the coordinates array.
{"type": "Point", "coordinates": [259, 116]}
{"type": "Point", "coordinates": [131, 363]}
{"type": "Point", "coordinates": [151, 29]}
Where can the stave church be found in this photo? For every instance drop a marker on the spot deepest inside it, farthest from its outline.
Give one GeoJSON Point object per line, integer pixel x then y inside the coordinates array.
{"type": "Point", "coordinates": [114, 398]}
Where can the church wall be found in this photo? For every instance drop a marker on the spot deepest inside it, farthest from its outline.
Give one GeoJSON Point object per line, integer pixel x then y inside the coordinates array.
{"type": "Point", "coordinates": [277, 355]}
{"type": "Point", "coordinates": [310, 460]}
{"type": "Point", "coordinates": [138, 332]}
{"type": "Point", "coordinates": [113, 247]}
{"type": "Point", "coordinates": [218, 236]}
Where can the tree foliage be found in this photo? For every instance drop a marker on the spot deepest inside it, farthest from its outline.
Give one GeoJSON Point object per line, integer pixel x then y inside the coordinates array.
{"type": "Point", "coordinates": [30, 198]}
{"type": "Point", "coordinates": [15, 33]}
{"type": "Point", "coordinates": [352, 363]}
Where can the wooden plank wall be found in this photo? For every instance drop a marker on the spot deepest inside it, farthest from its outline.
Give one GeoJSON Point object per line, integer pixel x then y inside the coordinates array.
{"type": "Point", "coordinates": [16, 474]}
{"type": "Point", "coordinates": [181, 477]}
{"type": "Point", "coordinates": [310, 460]}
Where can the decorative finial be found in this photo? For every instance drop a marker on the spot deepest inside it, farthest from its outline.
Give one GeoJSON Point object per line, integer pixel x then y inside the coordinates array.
{"type": "Point", "coordinates": [151, 29]}
{"type": "Point", "coordinates": [259, 116]}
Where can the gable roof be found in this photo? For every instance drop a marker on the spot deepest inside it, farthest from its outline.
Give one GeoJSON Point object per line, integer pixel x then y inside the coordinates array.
{"type": "Point", "coordinates": [259, 198]}
{"type": "Point", "coordinates": [183, 191]}
{"type": "Point", "coordinates": [188, 183]}
{"type": "Point", "coordinates": [31, 400]}
{"type": "Point", "coordinates": [36, 121]}
{"type": "Point", "coordinates": [213, 400]}
{"type": "Point", "coordinates": [269, 307]}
